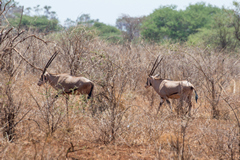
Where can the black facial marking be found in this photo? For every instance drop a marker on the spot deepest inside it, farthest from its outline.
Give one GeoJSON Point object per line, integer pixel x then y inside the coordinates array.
{"type": "Point", "coordinates": [41, 78]}
{"type": "Point", "coordinates": [148, 82]}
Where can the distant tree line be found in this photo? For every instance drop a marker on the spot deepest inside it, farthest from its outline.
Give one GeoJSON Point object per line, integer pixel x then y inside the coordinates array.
{"type": "Point", "coordinates": [37, 19]}
{"type": "Point", "coordinates": [199, 24]}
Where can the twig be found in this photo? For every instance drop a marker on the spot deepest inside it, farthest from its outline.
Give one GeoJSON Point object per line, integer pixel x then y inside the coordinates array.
{"type": "Point", "coordinates": [26, 60]}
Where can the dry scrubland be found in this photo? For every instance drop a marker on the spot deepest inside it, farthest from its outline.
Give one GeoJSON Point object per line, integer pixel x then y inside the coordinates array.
{"type": "Point", "coordinates": [121, 121]}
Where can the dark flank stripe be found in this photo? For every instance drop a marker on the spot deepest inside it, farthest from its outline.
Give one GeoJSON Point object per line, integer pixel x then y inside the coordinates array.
{"type": "Point", "coordinates": [173, 94]}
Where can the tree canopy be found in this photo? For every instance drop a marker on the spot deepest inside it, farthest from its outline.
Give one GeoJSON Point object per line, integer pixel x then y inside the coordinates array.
{"type": "Point", "coordinates": [167, 22]}
{"type": "Point", "coordinates": [107, 32]}
{"type": "Point", "coordinates": [199, 24]}
{"type": "Point", "coordinates": [42, 22]}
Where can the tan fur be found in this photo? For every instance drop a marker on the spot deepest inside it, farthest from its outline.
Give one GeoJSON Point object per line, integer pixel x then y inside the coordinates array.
{"type": "Point", "coordinates": [168, 89]}
{"type": "Point", "coordinates": [67, 84]}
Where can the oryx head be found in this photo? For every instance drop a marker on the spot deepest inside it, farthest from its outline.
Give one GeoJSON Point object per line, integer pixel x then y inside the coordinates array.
{"type": "Point", "coordinates": [44, 77]}
{"type": "Point", "coordinates": [150, 76]}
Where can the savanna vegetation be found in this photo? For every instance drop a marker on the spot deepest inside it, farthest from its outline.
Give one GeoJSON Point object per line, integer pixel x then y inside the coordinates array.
{"type": "Point", "coordinates": [120, 121]}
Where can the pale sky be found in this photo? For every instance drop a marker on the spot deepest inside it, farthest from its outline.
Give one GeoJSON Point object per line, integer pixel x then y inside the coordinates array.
{"type": "Point", "coordinates": [107, 11]}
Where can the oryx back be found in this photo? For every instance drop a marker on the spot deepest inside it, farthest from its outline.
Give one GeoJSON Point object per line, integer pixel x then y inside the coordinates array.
{"type": "Point", "coordinates": [73, 85]}
{"type": "Point", "coordinates": [172, 89]}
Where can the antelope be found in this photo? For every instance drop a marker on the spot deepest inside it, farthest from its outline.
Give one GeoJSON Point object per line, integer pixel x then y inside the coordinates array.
{"type": "Point", "coordinates": [168, 89]}
{"type": "Point", "coordinates": [65, 83]}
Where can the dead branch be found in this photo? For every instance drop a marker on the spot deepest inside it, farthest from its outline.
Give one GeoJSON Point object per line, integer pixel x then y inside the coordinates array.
{"type": "Point", "coordinates": [26, 60]}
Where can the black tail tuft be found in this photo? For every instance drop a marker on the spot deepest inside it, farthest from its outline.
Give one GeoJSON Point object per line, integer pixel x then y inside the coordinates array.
{"type": "Point", "coordinates": [90, 93]}
{"type": "Point", "coordinates": [196, 96]}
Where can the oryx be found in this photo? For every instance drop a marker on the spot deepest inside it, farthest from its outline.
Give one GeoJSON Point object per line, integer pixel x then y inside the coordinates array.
{"type": "Point", "coordinates": [168, 89]}
{"type": "Point", "coordinates": [65, 83]}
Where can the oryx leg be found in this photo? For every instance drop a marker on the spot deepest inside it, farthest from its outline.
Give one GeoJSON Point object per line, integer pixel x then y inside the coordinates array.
{"type": "Point", "coordinates": [67, 99]}
{"type": "Point", "coordinates": [189, 105]}
{"type": "Point", "coordinates": [169, 103]}
{"type": "Point", "coordinates": [189, 102]}
{"type": "Point", "coordinates": [180, 106]}
{"type": "Point", "coordinates": [160, 104]}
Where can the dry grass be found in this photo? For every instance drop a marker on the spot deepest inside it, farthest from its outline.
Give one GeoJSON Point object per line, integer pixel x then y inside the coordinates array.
{"type": "Point", "coordinates": [122, 121]}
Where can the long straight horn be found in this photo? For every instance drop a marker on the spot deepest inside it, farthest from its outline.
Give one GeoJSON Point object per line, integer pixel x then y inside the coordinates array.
{"type": "Point", "coordinates": [49, 62]}
{"type": "Point", "coordinates": [155, 65]}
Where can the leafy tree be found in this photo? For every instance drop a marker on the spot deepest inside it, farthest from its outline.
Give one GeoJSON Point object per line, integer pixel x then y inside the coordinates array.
{"type": "Point", "coordinates": [236, 19]}
{"type": "Point", "coordinates": [85, 20]}
{"type": "Point", "coordinates": [37, 9]}
{"type": "Point", "coordinates": [220, 34]}
{"type": "Point", "coordinates": [203, 38]}
{"type": "Point", "coordinates": [130, 26]}
{"type": "Point", "coordinates": [40, 23]}
{"type": "Point", "coordinates": [164, 23]}
{"type": "Point", "coordinates": [69, 23]}
{"type": "Point", "coordinates": [224, 27]}
{"type": "Point", "coordinates": [107, 32]}
{"type": "Point", "coordinates": [200, 15]}
{"type": "Point", "coordinates": [27, 11]}
{"type": "Point", "coordinates": [49, 14]}
{"type": "Point", "coordinates": [169, 23]}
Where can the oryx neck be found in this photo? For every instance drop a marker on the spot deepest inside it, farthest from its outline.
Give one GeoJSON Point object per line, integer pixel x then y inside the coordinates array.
{"type": "Point", "coordinates": [158, 79]}
{"type": "Point", "coordinates": [53, 78]}
{"type": "Point", "coordinates": [157, 82]}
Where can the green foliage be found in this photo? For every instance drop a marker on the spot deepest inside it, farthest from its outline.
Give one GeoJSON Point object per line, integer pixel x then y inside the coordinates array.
{"type": "Point", "coordinates": [200, 15]}
{"type": "Point", "coordinates": [82, 32]}
{"type": "Point", "coordinates": [161, 24]}
{"type": "Point", "coordinates": [130, 27]}
{"type": "Point", "coordinates": [39, 23]}
{"type": "Point", "coordinates": [85, 20]}
{"type": "Point", "coordinates": [236, 19]}
{"type": "Point", "coordinates": [169, 23]}
{"type": "Point", "coordinates": [220, 35]}
{"type": "Point", "coordinates": [107, 32]}
{"type": "Point", "coordinates": [203, 38]}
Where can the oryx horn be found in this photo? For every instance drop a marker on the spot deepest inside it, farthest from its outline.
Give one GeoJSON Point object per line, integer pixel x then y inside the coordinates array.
{"type": "Point", "coordinates": [50, 61]}
{"type": "Point", "coordinates": [155, 65]}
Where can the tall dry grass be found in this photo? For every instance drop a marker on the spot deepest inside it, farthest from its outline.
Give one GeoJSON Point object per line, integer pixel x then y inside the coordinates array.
{"type": "Point", "coordinates": [121, 121]}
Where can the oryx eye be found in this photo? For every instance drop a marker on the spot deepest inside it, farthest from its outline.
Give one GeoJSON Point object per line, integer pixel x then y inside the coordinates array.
{"type": "Point", "coordinates": [45, 78]}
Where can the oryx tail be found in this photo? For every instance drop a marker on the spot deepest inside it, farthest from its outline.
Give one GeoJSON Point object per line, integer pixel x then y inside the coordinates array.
{"type": "Point", "coordinates": [196, 95]}
{"type": "Point", "coordinates": [90, 93]}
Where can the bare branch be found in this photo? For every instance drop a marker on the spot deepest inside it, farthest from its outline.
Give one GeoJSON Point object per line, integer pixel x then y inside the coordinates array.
{"type": "Point", "coordinates": [5, 7]}
{"type": "Point", "coordinates": [26, 60]}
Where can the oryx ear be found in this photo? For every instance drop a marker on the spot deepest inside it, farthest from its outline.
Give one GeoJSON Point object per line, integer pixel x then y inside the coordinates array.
{"type": "Point", "coordinates": [45, 76]}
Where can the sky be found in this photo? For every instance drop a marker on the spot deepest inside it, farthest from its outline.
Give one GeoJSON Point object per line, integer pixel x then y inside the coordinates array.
{"type": "Point", "coordinates": [107, 11]}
